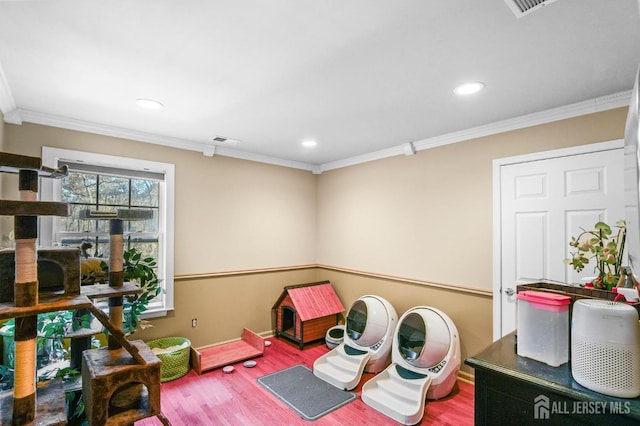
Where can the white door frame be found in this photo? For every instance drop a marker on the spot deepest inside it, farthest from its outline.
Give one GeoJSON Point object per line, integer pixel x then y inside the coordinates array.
{"type": "Point", "coordinates": [497, 211]}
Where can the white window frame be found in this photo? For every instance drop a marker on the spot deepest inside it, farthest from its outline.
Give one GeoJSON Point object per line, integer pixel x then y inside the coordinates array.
{"type": "Point", "coordinates": [50, 189]}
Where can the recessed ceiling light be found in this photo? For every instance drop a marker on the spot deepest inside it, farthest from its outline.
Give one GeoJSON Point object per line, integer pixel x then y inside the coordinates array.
{"type": "Point", "coordinates": [309, 144]}
{"type": "Point", "coordinates": [149, 103]}
{"type": "Point", "coordinates": [469, 88]}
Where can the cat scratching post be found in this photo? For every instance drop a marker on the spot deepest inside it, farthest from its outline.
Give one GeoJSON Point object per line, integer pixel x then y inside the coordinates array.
{"type": "Point", "coordinates": [116, 276]}
{"type": "Point", "coordinates": [24, 303]}
{"type": "Point", "coordinates": [26, 294]}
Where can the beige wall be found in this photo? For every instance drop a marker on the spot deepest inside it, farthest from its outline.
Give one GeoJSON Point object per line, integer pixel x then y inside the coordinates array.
{"type": "Point", "coordinates": [224, 305]}
{"type": "Point", "coordinates": [428, 216]}
{"type": "Point", "coordinates": [407, 224]}
{"type": "Point", "coordinates": [229, 214]}
{"type": "Point", "coordinates": [427, 220]}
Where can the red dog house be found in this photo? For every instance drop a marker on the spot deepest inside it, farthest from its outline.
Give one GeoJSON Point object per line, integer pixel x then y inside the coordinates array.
{"type": "Point", "coordinates": [305, 312]}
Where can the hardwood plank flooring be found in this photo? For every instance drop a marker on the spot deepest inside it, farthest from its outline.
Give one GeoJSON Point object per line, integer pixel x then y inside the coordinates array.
{"type": "Point", "coordinates": [215, 398]}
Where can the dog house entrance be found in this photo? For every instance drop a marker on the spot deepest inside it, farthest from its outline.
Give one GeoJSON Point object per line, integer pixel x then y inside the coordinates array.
{"type": "Point", "coordinates": [289, 321]}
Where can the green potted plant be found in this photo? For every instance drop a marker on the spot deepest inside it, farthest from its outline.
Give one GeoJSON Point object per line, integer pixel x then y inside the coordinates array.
{"type": "Point", "coordinates": [137, 270]}
{"type": "Point", "coordinates": [603, 246]}
{"type": "Point", "coordinates": [140, 271]}
{"type": "Point", "coordinates": [51, 328]}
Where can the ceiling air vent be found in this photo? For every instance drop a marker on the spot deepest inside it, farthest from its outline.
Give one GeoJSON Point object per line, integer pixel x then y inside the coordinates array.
{"type": "Point", "coordinates": [524, 7]}
{"type": "Point", "coordinates": [223, 140]}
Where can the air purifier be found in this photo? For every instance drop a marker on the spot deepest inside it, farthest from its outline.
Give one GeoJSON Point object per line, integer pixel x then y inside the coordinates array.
{"type": "Point", "coordinates": [605, 347]}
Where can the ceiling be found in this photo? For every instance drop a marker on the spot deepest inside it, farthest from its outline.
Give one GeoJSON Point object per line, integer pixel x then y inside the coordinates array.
{"type": "Point", "coordinates": [360, 77]}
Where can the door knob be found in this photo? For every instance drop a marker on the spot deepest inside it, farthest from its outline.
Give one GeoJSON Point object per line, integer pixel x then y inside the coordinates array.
{"type": "Point", "coordinates": [509, 292]}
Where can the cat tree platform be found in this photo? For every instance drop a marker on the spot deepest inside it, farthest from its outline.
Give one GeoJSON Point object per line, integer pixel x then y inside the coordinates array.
{"type": "Point", "coordinates": [50, 410]}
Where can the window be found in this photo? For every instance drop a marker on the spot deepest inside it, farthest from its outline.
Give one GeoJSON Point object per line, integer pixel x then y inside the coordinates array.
{"type": "Point", "coordinates": [108, 183]}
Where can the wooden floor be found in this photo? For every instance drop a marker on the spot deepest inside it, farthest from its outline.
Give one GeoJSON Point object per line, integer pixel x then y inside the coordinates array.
{"type": "Point", "coordinates": [215, 398]}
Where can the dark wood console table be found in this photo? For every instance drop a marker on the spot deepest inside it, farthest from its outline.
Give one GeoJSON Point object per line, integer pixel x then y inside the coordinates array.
{"type": "Point", "coordinates": [511, 390]}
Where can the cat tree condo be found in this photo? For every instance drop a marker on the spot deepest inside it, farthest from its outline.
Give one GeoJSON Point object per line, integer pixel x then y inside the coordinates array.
{"type": "Point", "coordinates": [120, 382]}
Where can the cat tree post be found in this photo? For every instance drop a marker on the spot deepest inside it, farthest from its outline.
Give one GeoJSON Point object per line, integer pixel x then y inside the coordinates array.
{"type": "Point", "coordinates": [116, 259]}
{"type": "Point", "coordinates": [116, 276]}
{"type": "Point", "coordinates": [26, 294]}
{"type": "Point", "coordinates": [119, 387]}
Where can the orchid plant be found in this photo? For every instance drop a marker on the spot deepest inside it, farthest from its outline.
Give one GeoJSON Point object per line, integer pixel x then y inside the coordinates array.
{"type": "Point", "coordinates": [605, 248]}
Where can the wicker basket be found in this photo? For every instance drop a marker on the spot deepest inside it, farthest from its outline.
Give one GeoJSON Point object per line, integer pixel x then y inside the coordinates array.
{"type": "Point", "coordinates": [175, 364]}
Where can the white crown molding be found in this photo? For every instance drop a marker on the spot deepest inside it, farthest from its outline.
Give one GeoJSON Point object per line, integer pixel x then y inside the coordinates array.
{"type": "Point", "coordinates": [106, 130]}
{"type": "Point", "coordinates": [364, 158]}
{"type": "Point", "coordinates": [13, 117]}
{"type": "Point", "coordinates": [7, 103]}
{"type": "Point", "coordinates": [227, 152]}
{"type": "Point", "coordinates": [408, 148]}
{"type": "Point", "coordinates": [616, 100]}
{"type": "Point", "coordinates": [205, 147]}
{"type": "Point", "coordinates": [591, 106]}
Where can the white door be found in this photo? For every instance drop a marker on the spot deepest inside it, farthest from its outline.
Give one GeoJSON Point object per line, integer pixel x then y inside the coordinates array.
{"type": "Point", "coordinates": [543, 203]}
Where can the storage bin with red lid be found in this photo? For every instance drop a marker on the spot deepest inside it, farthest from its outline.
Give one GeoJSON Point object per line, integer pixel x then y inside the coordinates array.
{"type": "Point", "coordinates": [543, 326]}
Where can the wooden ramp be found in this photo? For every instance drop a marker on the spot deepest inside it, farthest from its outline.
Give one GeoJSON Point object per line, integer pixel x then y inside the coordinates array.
{"type": "Point", "coordinates": [249, 346]}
